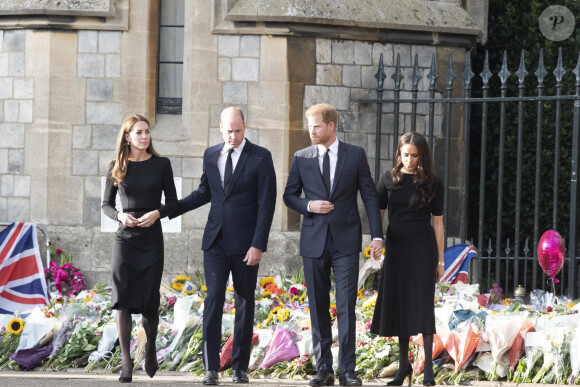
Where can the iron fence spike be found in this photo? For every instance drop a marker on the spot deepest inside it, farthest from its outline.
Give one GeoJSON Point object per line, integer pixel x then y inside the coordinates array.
{"type": "Point", "coordinates": [416, 77]}
{"type": "Point", "coordinates": [380, 75]}
{"type": "Point", "coordinates": [504, 74]}
{"type": "Point", "coordinates": [467, 73]}
{"type": "Point", "coordinates": [576, 71]}
{"type": "Point", "coordinates": [541, 71]}
{"type": "Point", "coordinates": [397, 75]}
{"type": "Point", "coordinates": [559, 71]}
{"type": "Point", "coordinates": [521, 73]}
{"type": "Point", "coordinates": [486, 73]}
{"type": "Point", "coordinates": [450, 76]}
{"type": "Point", "coordinates": [432, 76]}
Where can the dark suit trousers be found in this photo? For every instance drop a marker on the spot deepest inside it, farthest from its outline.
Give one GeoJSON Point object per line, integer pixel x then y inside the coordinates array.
{"type": "Point", "coordinates": [217, 266]}
{"type": "Point", "coordinates": [317, 276]}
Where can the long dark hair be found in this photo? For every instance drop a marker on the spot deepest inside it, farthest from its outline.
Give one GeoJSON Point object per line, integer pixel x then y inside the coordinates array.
{"type": "Point", "coordinates": [122, 150]}
{"type": "Point", "coordinates": [424, 177]}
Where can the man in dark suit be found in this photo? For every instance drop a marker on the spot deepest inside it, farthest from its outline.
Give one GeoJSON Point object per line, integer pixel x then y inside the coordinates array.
{"type": "Point", "coordinates": [331, 173]}
{"type": "Point", "coordinates": [239, 181]}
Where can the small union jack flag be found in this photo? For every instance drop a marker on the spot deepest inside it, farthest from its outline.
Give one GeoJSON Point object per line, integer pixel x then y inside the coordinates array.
{"type": "Point", "coordinates": [457, 260]}
{"type": "Point", "coordinates": [22, 281]}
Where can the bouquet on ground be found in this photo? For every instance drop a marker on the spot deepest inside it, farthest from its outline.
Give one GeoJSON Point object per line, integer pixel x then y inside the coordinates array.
{"type": "Point", "coordinates": [502, 330]}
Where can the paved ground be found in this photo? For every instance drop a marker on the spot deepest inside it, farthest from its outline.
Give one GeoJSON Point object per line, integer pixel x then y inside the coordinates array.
{"type": "Point", "coordinates": [77, 377]}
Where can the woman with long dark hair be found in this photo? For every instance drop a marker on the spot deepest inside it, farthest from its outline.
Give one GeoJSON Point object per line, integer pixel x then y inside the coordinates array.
{"type": "Point", "coordinates": [140, 176]}
{"type": "Point", "coordinates": [413, 197]}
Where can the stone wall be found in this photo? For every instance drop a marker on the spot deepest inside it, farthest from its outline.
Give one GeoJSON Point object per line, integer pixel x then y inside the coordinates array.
{"type": "Point", "coordinates": [64, 94]}
{"type": "Point", "coordinates": [16, 108]}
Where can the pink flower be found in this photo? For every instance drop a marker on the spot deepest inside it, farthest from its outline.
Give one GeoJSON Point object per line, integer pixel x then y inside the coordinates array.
{"type": "Point", "coordinates": [58, 251]}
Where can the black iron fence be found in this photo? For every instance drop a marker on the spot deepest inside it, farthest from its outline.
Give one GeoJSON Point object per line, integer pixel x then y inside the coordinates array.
{"type": "Point", "coordinates": [500, 260]}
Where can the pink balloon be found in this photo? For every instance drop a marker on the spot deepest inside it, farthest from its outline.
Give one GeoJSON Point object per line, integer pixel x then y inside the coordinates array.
{"type": "Point", "coordinates": [551, 251]}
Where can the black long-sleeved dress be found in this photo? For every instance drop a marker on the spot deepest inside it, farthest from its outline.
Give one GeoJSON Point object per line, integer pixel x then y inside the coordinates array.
{"type": "Point", "coordinates": [138, 252]}
{"type": "Point", "coordinates": [405, 303]}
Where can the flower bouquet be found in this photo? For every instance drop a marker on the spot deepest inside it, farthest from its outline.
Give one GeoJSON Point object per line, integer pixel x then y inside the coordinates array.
{"type": "Point", "coordinates": [518, 347]}
{"type": "Point", "coordinates": [575, 356]}
{"type": "Point", "coordinates": [10, 340]}
{"type": "Point", "coordinates": [501, 331]}
{"type": "Point", "coordinates": [65, 278]}
{"type": "Point", "coordinates": [461, 345]}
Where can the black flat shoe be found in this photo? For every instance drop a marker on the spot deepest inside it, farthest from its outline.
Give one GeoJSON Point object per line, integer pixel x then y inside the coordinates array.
{"type": "Point", "coordinates": [240, 377]}
{"type": "Point", "coordinates": [211, 378]}
{"type": "Point", "coordinates": [349, 378]}
{"type": "Point", "coordinates": [400, 377]}
{"type": "Point", "coordinates": [323, 378]}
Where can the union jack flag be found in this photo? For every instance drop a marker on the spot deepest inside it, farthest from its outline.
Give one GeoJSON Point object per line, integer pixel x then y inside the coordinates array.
{"type": "Point", "coordinates": [457, 259]}
{"type": "Point", "coordinates": [22, 281]}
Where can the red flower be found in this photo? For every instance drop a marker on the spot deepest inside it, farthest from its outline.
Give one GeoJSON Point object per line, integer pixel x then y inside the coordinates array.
{"type": "Point", "coordinates": [58, 251]}
{"type": "Point", "coordinates": [549, 309]}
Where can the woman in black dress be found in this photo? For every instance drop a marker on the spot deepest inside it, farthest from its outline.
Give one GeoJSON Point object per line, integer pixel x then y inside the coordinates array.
{"type": "Point", "coordinates": [140, 176]}
{"type": "Point", "coordinates": [414, 252]}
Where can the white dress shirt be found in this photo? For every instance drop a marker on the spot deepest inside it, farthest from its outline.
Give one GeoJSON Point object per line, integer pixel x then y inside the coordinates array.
{"type": "Point", "coordinates": [221, 161]}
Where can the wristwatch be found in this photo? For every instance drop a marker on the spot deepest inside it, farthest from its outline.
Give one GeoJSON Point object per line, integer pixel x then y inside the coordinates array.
{"type": "Point", "coordinates": [441, 263]}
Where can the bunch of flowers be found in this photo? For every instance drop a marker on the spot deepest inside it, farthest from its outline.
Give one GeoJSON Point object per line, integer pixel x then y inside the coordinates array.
{"type": "Point", "coordinates": [495, 294]}
{"type": "Point", "coordinates": [10, 340]}
{"type": "Point", "coordinates": [367, 251]}
{"type": "Point", "coordinates": [64, 274]}
{"type": "Point", "coordinates": [269, 286]}
{"type": "Point", "coordinates": [182, 284]}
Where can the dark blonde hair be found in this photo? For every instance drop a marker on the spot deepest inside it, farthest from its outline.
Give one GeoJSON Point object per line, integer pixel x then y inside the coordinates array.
{"type": "Point", "coordinates": [424, 178]}
{"type": "Point", "coordinates": [328, 113]}
{"type": "Point", "coordinates": [122, 151]}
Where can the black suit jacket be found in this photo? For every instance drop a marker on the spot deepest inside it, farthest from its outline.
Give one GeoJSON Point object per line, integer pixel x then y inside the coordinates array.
{"type": "Point", "coordinates": [244, 213]}
{"type": "Point", "coordinates": [352, 175]}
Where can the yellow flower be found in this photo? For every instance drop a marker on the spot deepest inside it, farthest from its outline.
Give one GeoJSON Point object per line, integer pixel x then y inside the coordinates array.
{"type": "Point", "coordinates": [15, 326]}
{"type": "Point", "coordinates": [204, 288]}
{"type": "Point", "coordinates": [177, 286]}
{"type": "Point", "coordinates": [266, 293]}
{"type": "Point", "coordinates": [367, 251]}
{"type": "Point", "coordinates": [370, 303]}
{"type": "Point", "coordinates": [265, 281]}
{"type": "Point", "coordinates": [570, 305]}
{"type": "Point", "coordinates": [361, 293]}
{"type": "Point", "coordinates": [302, 298]}
{"type": "Point", "coordinates": [182, 278]}
{"type": "Point", "coordinates": [283, 314]}
{"type": "Point", "coordinates": [229, 290]}
{"type": "Point", "coordinates": [507, 301]}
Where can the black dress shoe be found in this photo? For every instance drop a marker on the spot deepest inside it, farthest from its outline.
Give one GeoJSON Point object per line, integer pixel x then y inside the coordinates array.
{"type": "Point", "coordinates": [349, 378]}
{"type": "Point", "coordinates": [240, 377]}
{"type": "Point", "coordinates": [323, 378]}
{"type": "Point", "coordinates": [211, 378]}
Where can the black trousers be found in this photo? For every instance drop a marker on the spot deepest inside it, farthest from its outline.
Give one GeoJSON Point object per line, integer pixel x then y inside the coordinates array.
{"type": "Point", "coordinates": [317, 276]}
{"type": "Point", "coordinates": [217, 267]}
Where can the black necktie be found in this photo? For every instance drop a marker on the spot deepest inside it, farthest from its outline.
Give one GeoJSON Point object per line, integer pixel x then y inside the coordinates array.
{"type": "Point", "coordinates": [228, 170]}
{"type": "Point", "coordinates": [326, 170]}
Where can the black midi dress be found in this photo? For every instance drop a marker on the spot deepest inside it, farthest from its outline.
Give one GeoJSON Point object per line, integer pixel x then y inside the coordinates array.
{"type": "Point", "coordinates": [405, 302]}
{"type": "Point", "coordinates": [138, 252]}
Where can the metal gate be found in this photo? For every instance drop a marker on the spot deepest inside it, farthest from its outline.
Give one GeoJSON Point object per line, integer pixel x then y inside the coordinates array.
{"type": "Point", "coordinates": [499, 260]}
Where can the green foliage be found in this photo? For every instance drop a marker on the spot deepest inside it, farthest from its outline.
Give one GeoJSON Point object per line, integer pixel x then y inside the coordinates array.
{"type": "Point", "coordinates": [513, 27]}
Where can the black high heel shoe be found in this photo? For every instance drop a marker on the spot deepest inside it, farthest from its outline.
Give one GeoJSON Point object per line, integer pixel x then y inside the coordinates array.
{"type": "Point", "coordinates": [150, 369]}
{"type": "Point", "coordinates": [398, 381]}
{"type": "Point", "coordinates": [124, 371]}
